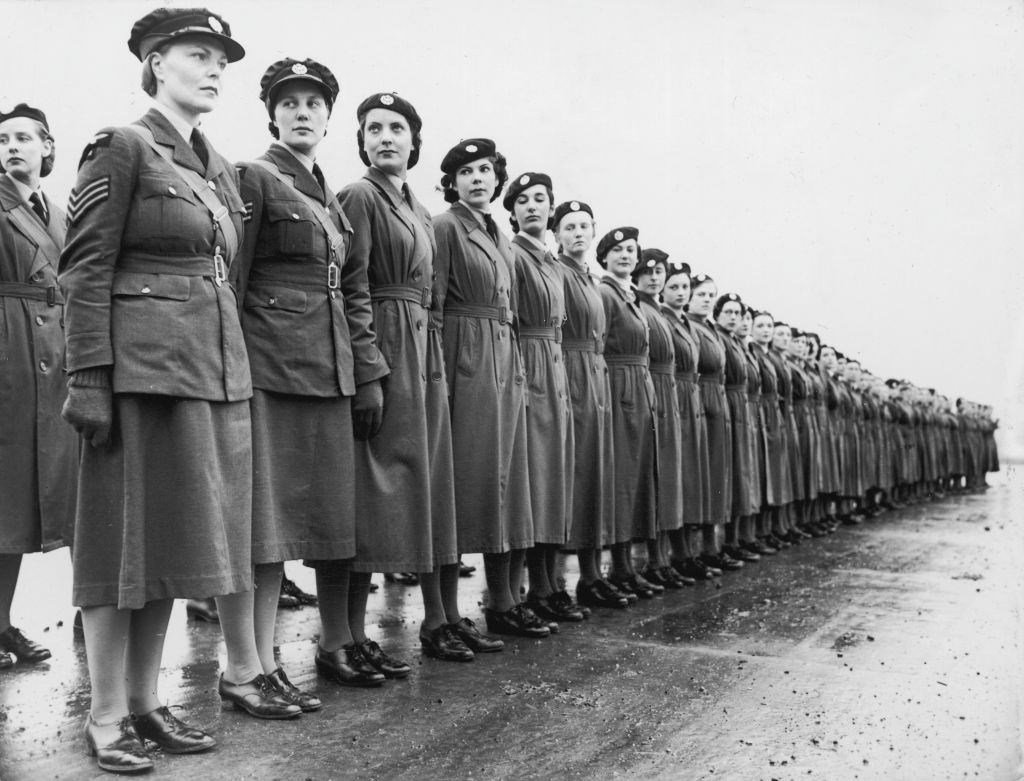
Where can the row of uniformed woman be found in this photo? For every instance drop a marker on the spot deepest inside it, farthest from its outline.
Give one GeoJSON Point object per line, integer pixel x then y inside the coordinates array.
{"type": "Point", "coordinates": [262, 371]}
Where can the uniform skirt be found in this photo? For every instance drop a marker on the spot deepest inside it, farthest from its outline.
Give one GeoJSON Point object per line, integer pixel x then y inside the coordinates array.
{"type": "Point", "coordinates": [694, 436]}
{"type": "Point", "coordinates": [164, 510]}
{"type": "Point", "coordinates": [303, 481]}
{"type": "Point", "coordinates": [736, 396]}
{"type": "Point", "coordinates": [670, 456]}
{"type": "Point", "coordinates": [719, 426]}
{"type": "Point", "coordinates": [635, 448]}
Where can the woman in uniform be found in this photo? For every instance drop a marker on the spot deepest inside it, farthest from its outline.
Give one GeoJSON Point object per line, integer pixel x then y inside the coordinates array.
{"type": "Point", "coordinates": [158, 388]}
{"type": "Point", "coordinates": [316, 375]}
{"type": "Point", "coordinates": [38, 452]}
{"type": "Point", "coordinates": [540, 310]}
{"type": "Point", "coordinates": [786, 519]}
{"type": "Point", "coordinates": [592, 522]}
{"type": "Point", "coordinates": [686, 542]}
{"type": "Point", "coordinates": [486, 394]}
{"type": "Point", "coordinates": [649, 279]}
{"type": "Point", "coordinates": [406, 518]}
{"type": "Point", "coordinates": [803, 418]}
{"type": "Point", "coordinates": [749, 530]}
{"type": "Point", "coordinates": [627, 353]}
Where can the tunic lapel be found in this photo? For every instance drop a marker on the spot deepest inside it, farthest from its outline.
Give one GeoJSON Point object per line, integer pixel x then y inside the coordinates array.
{"type": "Point", "coordinates": [396, 202]}
{"type": "Point", "coordinates": [46, 243]}
{"type": "Point", "coordinates": [303, 179]}
{"type": "Point", "coordinates": [166, 135]}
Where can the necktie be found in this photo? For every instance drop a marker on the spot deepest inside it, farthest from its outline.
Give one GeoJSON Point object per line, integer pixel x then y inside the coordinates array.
{"type": "Point", "coordinates": [39, 207]}
{"type": "Point", "coordinates": [319, 176]}
{"type": "Point", "coordinates": [492, 229]}
{"type": "Point", "coordinates": [199, 147]}
{"type": "Point", "coordinates": [406, 194]}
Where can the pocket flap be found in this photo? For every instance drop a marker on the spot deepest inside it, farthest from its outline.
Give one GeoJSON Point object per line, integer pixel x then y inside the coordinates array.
{"type": "Point", "coordinates": [170, 286]}
{"type": "Point", "coordinates": [265, 297]}
{"type": "Point", "coordinates": [291, 211]}
{"type": "Point", "coordinates": [151, 186]}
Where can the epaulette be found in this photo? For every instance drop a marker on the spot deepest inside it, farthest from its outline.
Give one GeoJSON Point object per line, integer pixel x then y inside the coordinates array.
{"type": "Point", "coordinates": [99, 141]}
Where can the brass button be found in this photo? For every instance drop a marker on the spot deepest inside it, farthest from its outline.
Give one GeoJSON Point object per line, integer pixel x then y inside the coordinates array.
{"type": "Point", "coordinates": [44, 365]}
{"type": "Point", "coordinates": [419, 326]}
{"type": "Point", "coordinates": [146, 289]}
{"type": "Point", "coordinates": [295, 216]}
{"type": "Point", "coordinates": [40, 319]}
{"type": "Point", "coordinates": [416, 275]}
{"type": "Point", "coordinates": [435, 376]}
{"type": "Point", "coordinates": [213, 185]}
{"type": "Point", "coordinates": [272, 301]}
{"type": "Point", "coordinates": [171, 190]}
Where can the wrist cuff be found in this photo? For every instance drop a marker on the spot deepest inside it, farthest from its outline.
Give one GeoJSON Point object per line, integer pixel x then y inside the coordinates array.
{"type": "Point", "coordinates": [95, 377]}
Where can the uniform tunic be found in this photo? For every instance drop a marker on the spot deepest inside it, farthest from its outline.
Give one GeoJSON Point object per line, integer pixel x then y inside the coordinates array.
{"type": "Point", "coordinates": [486, 391]}
{"type": "Point", "coordinates": [634, 435]}
{"type": "Point", "coordinates": [831, 479]}
{"type": "Point", "coordinates": [541, 311]}
{"type": "Point", "coordinates": [739, 429]}
{"type": "Point", "coordinates": [803, 417]}
{"type": "Point", "coordinates": [778, 482]}
{"type": "Point", "coordinates": [165, 509]}
{"type": "Point", "coordinates": [310, 342]}
{"type": "Point", "coordinates": [719, 423]}
{"type": "Point", "coordinates": [849, 410]}
{"type": "Point", "coordinates": [667, 420]}
{"type": "Point", "coordinates": [583, 335]}
{"type": "Point", "coordinates": [38, 451]}
{"type": "Point", "coordinates": [784, 372]}
{"type": "Point", "coordinates": [693, 427]}
{"type": "Point", "coordinates": [755, 435]}
{"type": "Point", "coordinates": [405, 521]}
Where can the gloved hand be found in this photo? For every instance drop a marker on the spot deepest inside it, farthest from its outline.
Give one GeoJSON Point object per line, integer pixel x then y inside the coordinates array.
{"type": "Point", "coordinates": [368, 410]}
{"type": "Point", "coordinates": [90, 411]}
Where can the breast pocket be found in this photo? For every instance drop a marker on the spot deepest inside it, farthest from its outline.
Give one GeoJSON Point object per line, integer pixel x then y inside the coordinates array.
{"type": "Point", "coordinates": [470, 349]}
{"type": "Point", "coordinates": [165, 204]}
{"type": "Point", "coordinates": [150, 316]}
{"type": "Point", "coordinates": [290, 230]}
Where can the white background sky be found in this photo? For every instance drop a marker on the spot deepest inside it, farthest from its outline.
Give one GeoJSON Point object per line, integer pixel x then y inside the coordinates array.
{"type": "Point", "coordinates": [856, 167]}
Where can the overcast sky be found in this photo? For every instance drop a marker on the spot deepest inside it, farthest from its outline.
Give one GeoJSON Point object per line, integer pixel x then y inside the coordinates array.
{"type": "Point", "coordinates": [854, 167]}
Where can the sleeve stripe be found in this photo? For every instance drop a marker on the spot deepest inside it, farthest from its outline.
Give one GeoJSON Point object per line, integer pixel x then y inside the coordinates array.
{"type": "Point", "coordinates": [101, 184]}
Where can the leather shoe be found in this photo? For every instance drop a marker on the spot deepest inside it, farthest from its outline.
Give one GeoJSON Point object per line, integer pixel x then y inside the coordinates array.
{"type": "Point", "coordinates": [740, 553]}
{"type": "Point", "coordinates": [515, 621]}
{"type": "Point", "coordinates": [402, 578]}
{"type": "Point", "coordinates": [290, 588]}
{"type": "Point", "coordinates": [13, 641]}
{"type": "Point", "coordinates": [720, 561]}
{"type": "Point", "coordinates": [465, 570]}
{"type": "Point", "coordinates": [474, 639]}
{"type": "Point", "coordinates": [170, 733]}
{"type": "Point", "coordinates": [671, 573]}
{"type": "Point", "coordinates": [127, 754]}
{"type": "Point", "coordinates": [600, 593]}
{"type": "Point", "coordinates": [381, 662]}
{"type": "Point", "coordinates": [202, 610]}
{"type": "Point", "coordinates": [851, 519]}
{"type": "Point", "coordinates": [442, 643]}
{"type": "Point", "coordinates": [565, 607]}
{"type": "Point", "coordinates": [287, 601]}
{"type": "Point", "coordinates": [692, 568]}
{"type": "Point", "coordinates": [258, 698]}
{"type": "Point", "coordinates": [546, 611]}
{"type": "Point", "coordinates": [656, 577]}
{"type": "Point", "coordinates": [308, 702]}
{"type": "Point", "coordinates": [338, 666]}
{"type": "Point", "coordinates": [792, 537]}
{"type": "Point", "coordinates": [6, 660]}
{"type": "Point", "coordinates": [759, 547]}
{"type": "Point", "coordinates": [776, 541]}
{"type": "Point", "coordinates": [633, 584]}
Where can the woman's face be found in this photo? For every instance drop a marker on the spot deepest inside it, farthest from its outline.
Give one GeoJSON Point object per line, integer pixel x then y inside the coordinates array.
{"type": "Point", "coordinates": [387, 141]}
{"type": "Point", "coordinates": [763, 329]}
{"type": "Point", "coordinates": [851, 371]}
{"type": "Point", "coordinates": [729, 315]}
{"type": "Point", "coordinates": [475, 182]}
{"type": "Point", "coordinates": [828, 358]}
{"type": "Point", "coordinates": [676, 294]}
{"type": "Point", "coordinates": [781, 337]}
{"type": "Point", "coordinates": [575, 233]}
{"type": "Point", "coordinates": [22, 148]}
{"type": "Point", "coordinates": [532, 209]}
{"type": "Point", "coordinates": [703, 299]}
{"type": "Point", "coordinates": [301, 117]}
{"type": "Point", "coordinates": [188, 74]}
{"type": "Point", "coordinates": [651, 281]}
{"type": "Point", "coordinates": [621, 259]}
{"type": "Point", "coordinates": [798, 346]}
{"type": "Point", "coordinates": [743, 327]}
{"type": "Point", "coordinates": [812, 349]}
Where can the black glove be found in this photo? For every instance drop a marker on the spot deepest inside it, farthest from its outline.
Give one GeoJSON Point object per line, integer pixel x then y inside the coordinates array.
{"type": "Point", "coordinates": [368, 410]}
{"type": "Point", "coordinates": [90, 411]}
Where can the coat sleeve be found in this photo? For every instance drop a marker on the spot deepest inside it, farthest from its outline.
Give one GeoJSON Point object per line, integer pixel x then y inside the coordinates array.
{"type": "Point", "coordinates": [368, 361]}
{"type": "Point", "coordinates": [251, 191]}
{"type": "Point", "coordinates": [97, 210]}
{"type": "Point", "coordinates": [444, 234]}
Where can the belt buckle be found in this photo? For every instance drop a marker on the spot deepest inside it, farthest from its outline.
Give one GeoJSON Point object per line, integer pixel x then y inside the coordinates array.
{"type": "Point", "coordinates": [503, 318]}
{"type": "Point", "coordinates": [51, 296]}
{"type": "Point", "coordinates": [220, 269]}
{"type": "Point", "coordinates": [333, 276]}
{"type": "Point", "coordinates": [425, 297]}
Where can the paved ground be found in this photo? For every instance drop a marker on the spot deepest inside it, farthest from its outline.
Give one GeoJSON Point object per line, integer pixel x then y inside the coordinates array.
{"type": "Point", "coordinates": [887, 651]}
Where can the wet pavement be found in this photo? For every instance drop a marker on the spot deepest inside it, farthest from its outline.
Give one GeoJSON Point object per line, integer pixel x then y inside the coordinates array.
{"type": "Point", "coordinates": [890, 650]}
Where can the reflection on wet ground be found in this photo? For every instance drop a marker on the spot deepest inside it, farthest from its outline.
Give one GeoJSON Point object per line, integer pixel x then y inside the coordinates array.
{"type": "Point", "coordinates": [886, 651]}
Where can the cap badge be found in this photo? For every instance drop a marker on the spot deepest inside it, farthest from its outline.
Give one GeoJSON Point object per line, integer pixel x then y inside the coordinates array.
{"type": "Point", "coordinates": [387, 100]}
{"type": "Point", "coordinates": [470, 147]}
{"type": "Point", "coordinates": [618, 236]}
{"type": "Point", "coordinates": [6, 107]}
{"type": "Point", "coordinates": [299, 69]}
{"type": "Point", "coordinates": [524, 180]}
{"type": "Point", "coordinates": [215, 24]}
{"type": "Point", "coordinates": [575, 206]}
{"type": "Point", "coordinates": [652, 263]}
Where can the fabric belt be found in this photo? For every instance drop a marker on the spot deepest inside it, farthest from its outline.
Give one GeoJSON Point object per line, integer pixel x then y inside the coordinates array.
{"type": "Point", "coordinates": [551, 333]}
{"type": "Point", "coordinates": [415, 295]}
{"type": "Point", "coordinates": [499, 313]}
{"type": "Point", "coordinates": [583, 345]}
{"type": "Point", "coordinates": [711, 380]}
{"type": "Point", "coordinates": [310, 275]}
{"type": "Point", "coordinates": [668, 368]}
{"type": "Point", "coordinates": [622, 359]}
{"type": "Point", "coordinates": [181, 267]}
{"type": "Point", "coordinates": [736, 386]}
{"type": "Point", "coordinates": [51, 295]}
{"type": "Point", "coordinates": [687, 376]}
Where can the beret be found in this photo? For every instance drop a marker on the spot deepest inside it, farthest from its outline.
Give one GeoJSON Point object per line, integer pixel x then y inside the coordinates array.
{"type": "Point", "coordinates": [700, 279]}
{"type": "Point", "coordinates": [466, 152]}
{"type": "Point", "coordinates": [25, 110]}
{"type": "Point", "coordinates": [649, 258]}
{"type": "Point", "coordinates": [391, 102]}
{"type": "Point", "coordinates": [568, 207]}
{"type": "Point", "coordinates": [678, 267]}
{"type": "Point", "coordinates": [613, 237]}
{"type": "Point", "coordinates": [290, 69]}
{"type": "Point", "coordinates": [164, 24]}
{"type": "Point", "coordinates": [524, 182]}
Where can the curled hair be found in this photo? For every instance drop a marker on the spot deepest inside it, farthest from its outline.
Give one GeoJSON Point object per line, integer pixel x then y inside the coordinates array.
{"type": "Point", "coordinates": [149, 82]}
{"type": "Point", "coordinates": [451, 194]}
{"type": "Point", "coordinates": [47, 162]}
{"type": "Point", "coordinates": [414, 153]}
{"type": "Point", "coordinates": [551, 214]}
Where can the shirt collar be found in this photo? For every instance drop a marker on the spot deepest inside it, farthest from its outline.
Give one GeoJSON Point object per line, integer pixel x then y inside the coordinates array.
{"type": "Point", "coordinates": [177, 121]}
{"type": "Point", "coordinates": [625, 284]}
{"type": "Point", "coordinates": [397, 181]}
{"type": "Point", "coordinates": [23, 189]}
{"type": "Point", "coordinates": [307, 162]}
{"type": "Point", "coordinates": [535, 242]}
{"type": "Point", "coordinates": [480, 215]}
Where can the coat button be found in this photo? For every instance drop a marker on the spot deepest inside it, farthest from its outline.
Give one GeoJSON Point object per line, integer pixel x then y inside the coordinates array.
{"type": "Point", "coordinates": [146, 289]}
{"type": "Point", "coordinates": [416, 275]}
{"type": "Point", "coordinates": [295, 216]}
{"type": "Point", "coordinates": [272, 301]}
{"type": "Point", "coordinates": [44, 365]}
{"type": "Point", "coordinates": [213, 185]}
{"type": "Point", "coordinates": [419, 326]}
{"type": "Point", "coordinates": [40, 319]}
{"type": "Point", "coordinates": [435, 376]}
{"type": "Point", "coordinates": [171, 190]}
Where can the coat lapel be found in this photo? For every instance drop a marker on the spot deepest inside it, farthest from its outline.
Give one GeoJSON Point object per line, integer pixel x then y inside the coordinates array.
{"type": "Point", "coordinates": [478, 235]}
{"type": "Point", "coordinates": [393, 197]}
{"type": "Point", "coordinates": [47, 240]}
{"type": "Point", "coordinates": [303, 180]}
{"type": "Point", "coordinates": [166, 135]}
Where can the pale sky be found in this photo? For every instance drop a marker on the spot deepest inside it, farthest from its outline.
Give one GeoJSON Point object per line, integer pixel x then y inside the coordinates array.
{"type": "Point", "coordinates": [855, 167]}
